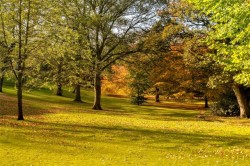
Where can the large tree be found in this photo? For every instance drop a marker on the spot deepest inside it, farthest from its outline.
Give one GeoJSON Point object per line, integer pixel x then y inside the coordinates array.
{"type": "Point", "coordinates": [229, 36]}
{"type": "Point", "coordinates": [21, 24]}
{"type": "Point", "coordinates": [112, 30]}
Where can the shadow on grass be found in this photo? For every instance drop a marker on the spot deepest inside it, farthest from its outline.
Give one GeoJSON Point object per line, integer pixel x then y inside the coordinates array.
{"type": "Point", "coordinates": [41, 103]}
{"type": "Point", "coordinates": [150, 112]}
{"type": "Point", "coordinates": [49, 133]}
{"type": "Point", "coordinates": [36, 106]}
{"type": "Point", "coordinates": [183, 106]}
{"type": "Point", "coordinates": [47, 95]}
{"type": "Point", "coordinates": [56, 133]}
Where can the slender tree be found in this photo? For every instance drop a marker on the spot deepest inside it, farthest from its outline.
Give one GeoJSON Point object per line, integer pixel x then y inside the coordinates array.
{"type": "Point", "coordinates": [21, 22]}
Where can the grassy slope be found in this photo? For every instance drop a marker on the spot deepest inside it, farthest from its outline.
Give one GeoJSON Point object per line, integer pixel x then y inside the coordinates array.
{"type": "Point", "coordinates": [59, 132]}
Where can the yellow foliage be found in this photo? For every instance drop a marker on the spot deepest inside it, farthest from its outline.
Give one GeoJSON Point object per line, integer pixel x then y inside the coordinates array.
{"type": "Point", "coordinates": [117, 83]}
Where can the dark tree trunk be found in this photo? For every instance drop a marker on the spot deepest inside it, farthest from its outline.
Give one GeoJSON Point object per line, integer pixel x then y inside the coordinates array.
{"type": "Point", "coordinates": [20, 67]}
{"type": "Point", "coordinates": [59, 89]}
{"type": "Point", "coordinates": [138, 95]}
{"type": "Point", "coordinates": [97, 86]}
{"type": "Point", "coordinates": [20, 96]}
{"type": "Point", "coordinates": [1, 83]}
{"type": "Point", "coordinates": [241, 95]}
{"type": "Point", "coordinates": [206, 101]}
{"type": "Point", "coordinates": [157, 96]}
{"type": "Point", "coordinates": [78, 93]}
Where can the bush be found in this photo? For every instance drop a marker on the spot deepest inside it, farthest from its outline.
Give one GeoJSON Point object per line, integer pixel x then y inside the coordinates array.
{"type": "Point", "coordinates": [226, 105]}
{"type": "Point", "coordinates": [139, 100]}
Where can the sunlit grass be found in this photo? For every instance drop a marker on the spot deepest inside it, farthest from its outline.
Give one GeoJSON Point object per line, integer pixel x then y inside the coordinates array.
{"type": "Point", "coordinates": [58, 131]}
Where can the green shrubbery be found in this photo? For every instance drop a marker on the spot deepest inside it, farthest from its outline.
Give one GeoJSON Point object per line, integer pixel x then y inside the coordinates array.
{"type": "Point", "coordinates": [139, 100]}
{"type": "Point", "coordinates": [226, 105]}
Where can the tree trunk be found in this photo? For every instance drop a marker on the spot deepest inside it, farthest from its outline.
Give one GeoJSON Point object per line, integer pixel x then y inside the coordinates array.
{"type": "Point", "coordinates": [241, 96]}
{"type": "Point", "coordinates": [20, 67]}
{"type": "Point", "coordinates": [206, 101]}
{"type": "Point", "coordinates": [78, 93]}
{"type": "Point", "coordinates": [157, 96]}
{"type": "Point", "coordinates": [20, 97]}
{"type": "Point", "coordinates": [97, 86]}
{"type": "Point", "coordinates": [1, 83]}
{"type": "Point", "coordinates": [59, 89]}
{"type": "Point", "coordinates": [138, 95]}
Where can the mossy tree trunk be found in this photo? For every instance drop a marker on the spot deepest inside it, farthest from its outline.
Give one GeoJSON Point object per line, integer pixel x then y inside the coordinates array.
{"type": "Point", "coordinates": [157, 96]}
{"type": "Point", "coordinates": [241, 95]}
{"type": "Point", "coordinates": [206, 101]}
{"type": "Point", "coordinates": [59, 90]}
{"type": "Point", "coordinates": [20, 96]}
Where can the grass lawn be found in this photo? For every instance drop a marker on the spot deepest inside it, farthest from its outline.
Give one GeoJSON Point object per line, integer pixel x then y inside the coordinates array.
{"type": "Point", "coordinates": [57, 131]}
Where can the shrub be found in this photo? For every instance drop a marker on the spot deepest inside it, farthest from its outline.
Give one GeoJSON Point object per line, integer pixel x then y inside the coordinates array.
{"type": "Point", "coordinates": [226, 105]}
{"type": "Point", "coordinates": [139, 100]}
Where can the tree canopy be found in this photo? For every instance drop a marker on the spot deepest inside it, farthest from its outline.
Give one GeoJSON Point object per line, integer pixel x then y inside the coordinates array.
{"type": "Point", "coordinates": [229, 35]}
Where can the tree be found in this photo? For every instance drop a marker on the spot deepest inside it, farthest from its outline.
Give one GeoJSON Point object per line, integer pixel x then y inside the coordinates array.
{"type": "Point", "coordinates": [186, 31]}
{"type": "Point", "coordinates": [229, 36]}
{"type": "Point", "coordinates": [139, 66]}
{"type": "Point", "coordinates": [164, 45]}
{"type": "Point", "coordinates": [157, 96]}
{"type": "Point", "coordinates": [63, 61]}
{"type": "Point", "coordinates": [155, 48]}
{"type": "Point", "coordinates": [21, 23]}
{"type": "Point", "coordinates": [201, 67]}
{"type": "Point", "coordinates": [74, 15]}
{"type": "Point", "coordinates": [112, 28]}
{"type": "Point", "coordinates": [57, 60]}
